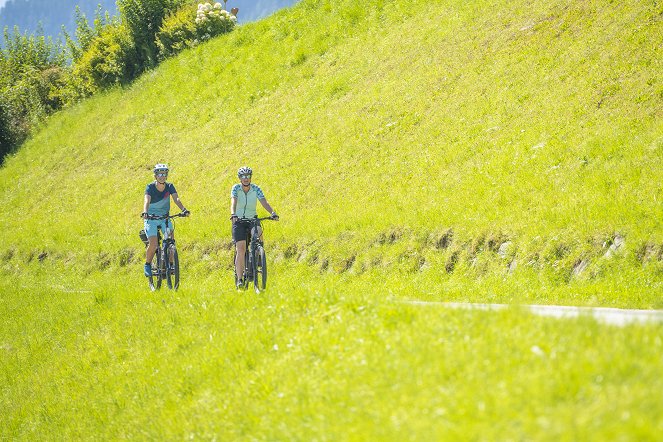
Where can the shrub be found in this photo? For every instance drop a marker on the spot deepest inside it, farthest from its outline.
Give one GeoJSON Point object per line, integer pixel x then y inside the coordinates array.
{"type": "Point", "coordinates": [109, 60]}
{"type": "Point", "coordinates": [5, 132]}
{"type": "Point", "coordinates": [31, 72]}
{"type": "Point", "coordinates": [143, 18]}
{"type": "Point", "coordinates": [190, 25]}
{"type": "Point", "coordinates": [178, 32]}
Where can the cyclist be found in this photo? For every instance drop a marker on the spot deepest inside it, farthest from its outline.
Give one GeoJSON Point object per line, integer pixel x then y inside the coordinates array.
{"type": "Point", "coordinates": [244, 197]}
{"type": "Point", "coordinates": [157, 202]}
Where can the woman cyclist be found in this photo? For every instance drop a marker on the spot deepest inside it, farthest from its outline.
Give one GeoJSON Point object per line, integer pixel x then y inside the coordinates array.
{"type": "Point", "coordinates": [157, 202]}
{"type": "Point", "coordinates": [244, 197]}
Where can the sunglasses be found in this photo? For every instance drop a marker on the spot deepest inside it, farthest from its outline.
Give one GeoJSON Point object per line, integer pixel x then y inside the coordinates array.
{"type": "Point", "coordinates": [162, 173]}
{"type": "Point", "coordinates": [244, 177]}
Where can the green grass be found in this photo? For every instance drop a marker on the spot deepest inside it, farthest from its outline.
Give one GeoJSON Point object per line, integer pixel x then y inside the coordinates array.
{"type": "Point", "coordinates": [319, 358]}
{"type": "Point", "coordinates": [439, 151]}
{"type": "Point", "coordinates": [531, 122]}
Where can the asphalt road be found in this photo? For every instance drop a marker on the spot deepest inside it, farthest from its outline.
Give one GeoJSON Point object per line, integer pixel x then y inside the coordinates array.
{"type": "Point", "coordinates": [614, 316]}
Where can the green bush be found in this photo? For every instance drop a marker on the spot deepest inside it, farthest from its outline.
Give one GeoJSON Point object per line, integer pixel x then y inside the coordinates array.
{"type": "Point", "coordinates": [192, 25]}
{"type": "Point", "coordinates": [31, 72]}
{"type": "Point", "coordinates": [109, 60]}
{"type": "Point", "coordinates": [178, 32]}
{"type": "Point", "coordinates": [5, 132]}
{"type": "Point", "coordinates": [143, 19]}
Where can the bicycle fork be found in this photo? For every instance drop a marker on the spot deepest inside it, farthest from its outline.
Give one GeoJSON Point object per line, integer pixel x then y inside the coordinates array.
{"type": "Point", "coordinates": [168, 253]}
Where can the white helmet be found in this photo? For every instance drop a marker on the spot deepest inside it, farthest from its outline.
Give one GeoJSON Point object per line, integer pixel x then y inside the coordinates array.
{"type": "Point", "coordinates": [244, 171]}
{"type": "Point", "coordinates": [161, 167]}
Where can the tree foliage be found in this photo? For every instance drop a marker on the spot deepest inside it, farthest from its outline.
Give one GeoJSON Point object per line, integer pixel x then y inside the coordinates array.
{"type": "Point", "coordinates": [39, 77]}
{"type": "Point", "coordinates": [32, 69]}
{"type": "Point", "coordinates": [143, 18]}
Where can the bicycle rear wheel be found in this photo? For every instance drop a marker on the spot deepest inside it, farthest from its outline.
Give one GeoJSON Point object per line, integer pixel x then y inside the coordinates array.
{"type": "Point", "coordinates": [259, 269]}
{"type": "Point", "coordinates": [154, 279]}
{"type": "Point", "coordinates": [173, 272]}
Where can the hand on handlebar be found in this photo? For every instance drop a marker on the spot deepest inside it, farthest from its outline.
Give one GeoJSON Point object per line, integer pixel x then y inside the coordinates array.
{"type": "Point", "coordinates": [275, 217]}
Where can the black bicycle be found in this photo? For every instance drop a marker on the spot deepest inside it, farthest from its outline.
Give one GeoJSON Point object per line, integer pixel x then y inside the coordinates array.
{"type": "Point", "coordinates": [166, 262]}
{"type": "Point", "coordinates": [255, 261]}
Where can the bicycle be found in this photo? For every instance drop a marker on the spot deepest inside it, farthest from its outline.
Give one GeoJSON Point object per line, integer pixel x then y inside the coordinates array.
{"type": "Point", "coordinates": [255, 261]}
{"type": "Point", "coordinates": [165, 250]}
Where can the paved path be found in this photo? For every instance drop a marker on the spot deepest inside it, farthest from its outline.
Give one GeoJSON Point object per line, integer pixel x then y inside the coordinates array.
{"type": "Point", "coordinates": [615, 316]}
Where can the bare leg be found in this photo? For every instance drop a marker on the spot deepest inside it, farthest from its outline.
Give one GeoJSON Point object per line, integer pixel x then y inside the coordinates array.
{"type": "Point", "coordinates": [151, 249]}
{"type": "Point", "coordinates": [239, 259]}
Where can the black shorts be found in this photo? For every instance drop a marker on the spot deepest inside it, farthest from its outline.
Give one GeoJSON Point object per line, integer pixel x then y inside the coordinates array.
{"type": "Point", "coordinates": [241, 231]}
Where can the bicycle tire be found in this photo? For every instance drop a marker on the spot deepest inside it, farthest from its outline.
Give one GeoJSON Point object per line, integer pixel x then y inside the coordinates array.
{"type": "Point", "coordinates": [162, 260]}
{"type": "Point", "coordinates": [173, 277]}
{"type": "Point", "coordinates": [153, 279]}
{"type": "Point", "coordinates": [247, 269]}
{"type": "Point", "coordinates": [259, 269]}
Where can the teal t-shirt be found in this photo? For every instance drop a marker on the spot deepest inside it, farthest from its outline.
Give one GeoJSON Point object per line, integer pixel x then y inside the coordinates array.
{"type": "Point", "coordinates": [246, 201]}
{"type": "Point", "coordinates": [159, 201]}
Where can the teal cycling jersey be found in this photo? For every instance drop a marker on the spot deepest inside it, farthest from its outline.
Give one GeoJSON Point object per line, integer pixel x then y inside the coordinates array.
{"type": "Point", "coordinates": [246, 201]}
{"type": "Point", "coordinates": [159, 201]}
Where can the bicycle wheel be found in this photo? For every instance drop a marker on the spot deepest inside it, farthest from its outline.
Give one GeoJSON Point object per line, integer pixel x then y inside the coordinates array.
{"type": "Point", "coordinates": [154, 279]}
{"type": "Point", "coordinates": [259, 269]}
{"type": "Point", "coordinates": [161, 273]}
{"type": "Point", "coordinates": [247, 270]}
{"type": "Point", "coordinates": [173, 271]}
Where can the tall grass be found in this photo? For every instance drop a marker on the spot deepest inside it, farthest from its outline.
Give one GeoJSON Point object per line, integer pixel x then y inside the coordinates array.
{"type": "Point", "coordinates": [540, 121]}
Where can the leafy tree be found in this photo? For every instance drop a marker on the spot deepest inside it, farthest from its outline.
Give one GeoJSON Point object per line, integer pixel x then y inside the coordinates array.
{"type": "Point", "coordinates": [143, 19]}
{"type": "Point", "coordinates": [31, 73]}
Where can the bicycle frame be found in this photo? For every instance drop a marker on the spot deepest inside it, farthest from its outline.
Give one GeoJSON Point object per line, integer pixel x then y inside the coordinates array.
{"type": "Point", "coordinates": [253, 242]}
{"type": "Point", "coordinates": [166, 250]}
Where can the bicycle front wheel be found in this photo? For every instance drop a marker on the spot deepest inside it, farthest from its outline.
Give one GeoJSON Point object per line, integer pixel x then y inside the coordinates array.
{"type": "Point", "coordinates": [155, 278]}
{"type": "Point", "coordinates": [173, 270]}
{"type": "Point", "coordinates": [259, 270]}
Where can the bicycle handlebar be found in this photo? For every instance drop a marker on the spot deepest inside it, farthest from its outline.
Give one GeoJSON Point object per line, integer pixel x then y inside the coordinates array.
{"type": "Point", "coordinates": [271, 218]}
{"type": "Point", "coordinates": [160, 217]}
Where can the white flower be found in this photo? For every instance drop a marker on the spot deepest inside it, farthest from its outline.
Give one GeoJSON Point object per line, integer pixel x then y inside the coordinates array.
{"type": "Point", "coordinates": [217, 5]}
{"type": "Point", "coordinates": [200, 6]}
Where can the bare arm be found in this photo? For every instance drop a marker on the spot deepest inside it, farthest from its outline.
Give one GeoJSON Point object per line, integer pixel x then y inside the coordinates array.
{"type": "Point", "coordinates": [146, 203]}
{"type": "Point", "coordinates": [267, 207]}
{"type": "Point", "coordinates": [177, 201]}
{"type": "Point", "coordinates": [233, 207]}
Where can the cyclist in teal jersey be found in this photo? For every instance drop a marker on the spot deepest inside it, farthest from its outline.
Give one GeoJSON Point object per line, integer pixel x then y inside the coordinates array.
{"type": "Point", "coordinates": [244, 197]}
{"type": "Point", "coordinates": [157, 202]}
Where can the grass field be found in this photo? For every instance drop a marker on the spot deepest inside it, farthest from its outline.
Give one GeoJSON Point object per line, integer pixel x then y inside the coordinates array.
{"type": "Point", "coordinates": [502, 152]}
{"type": "Point", "coordinates": [320, 358]}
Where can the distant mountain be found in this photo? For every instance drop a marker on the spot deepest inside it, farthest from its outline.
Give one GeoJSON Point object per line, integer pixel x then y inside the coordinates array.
{"type": "Point", "coordinates": [52, 14]}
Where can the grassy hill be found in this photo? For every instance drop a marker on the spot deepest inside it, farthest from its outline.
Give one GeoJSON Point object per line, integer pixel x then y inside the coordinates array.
{"type": "Point", "coordinates": [494, 151]}
{"type": "Point", "coordinates": [533, 123]}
